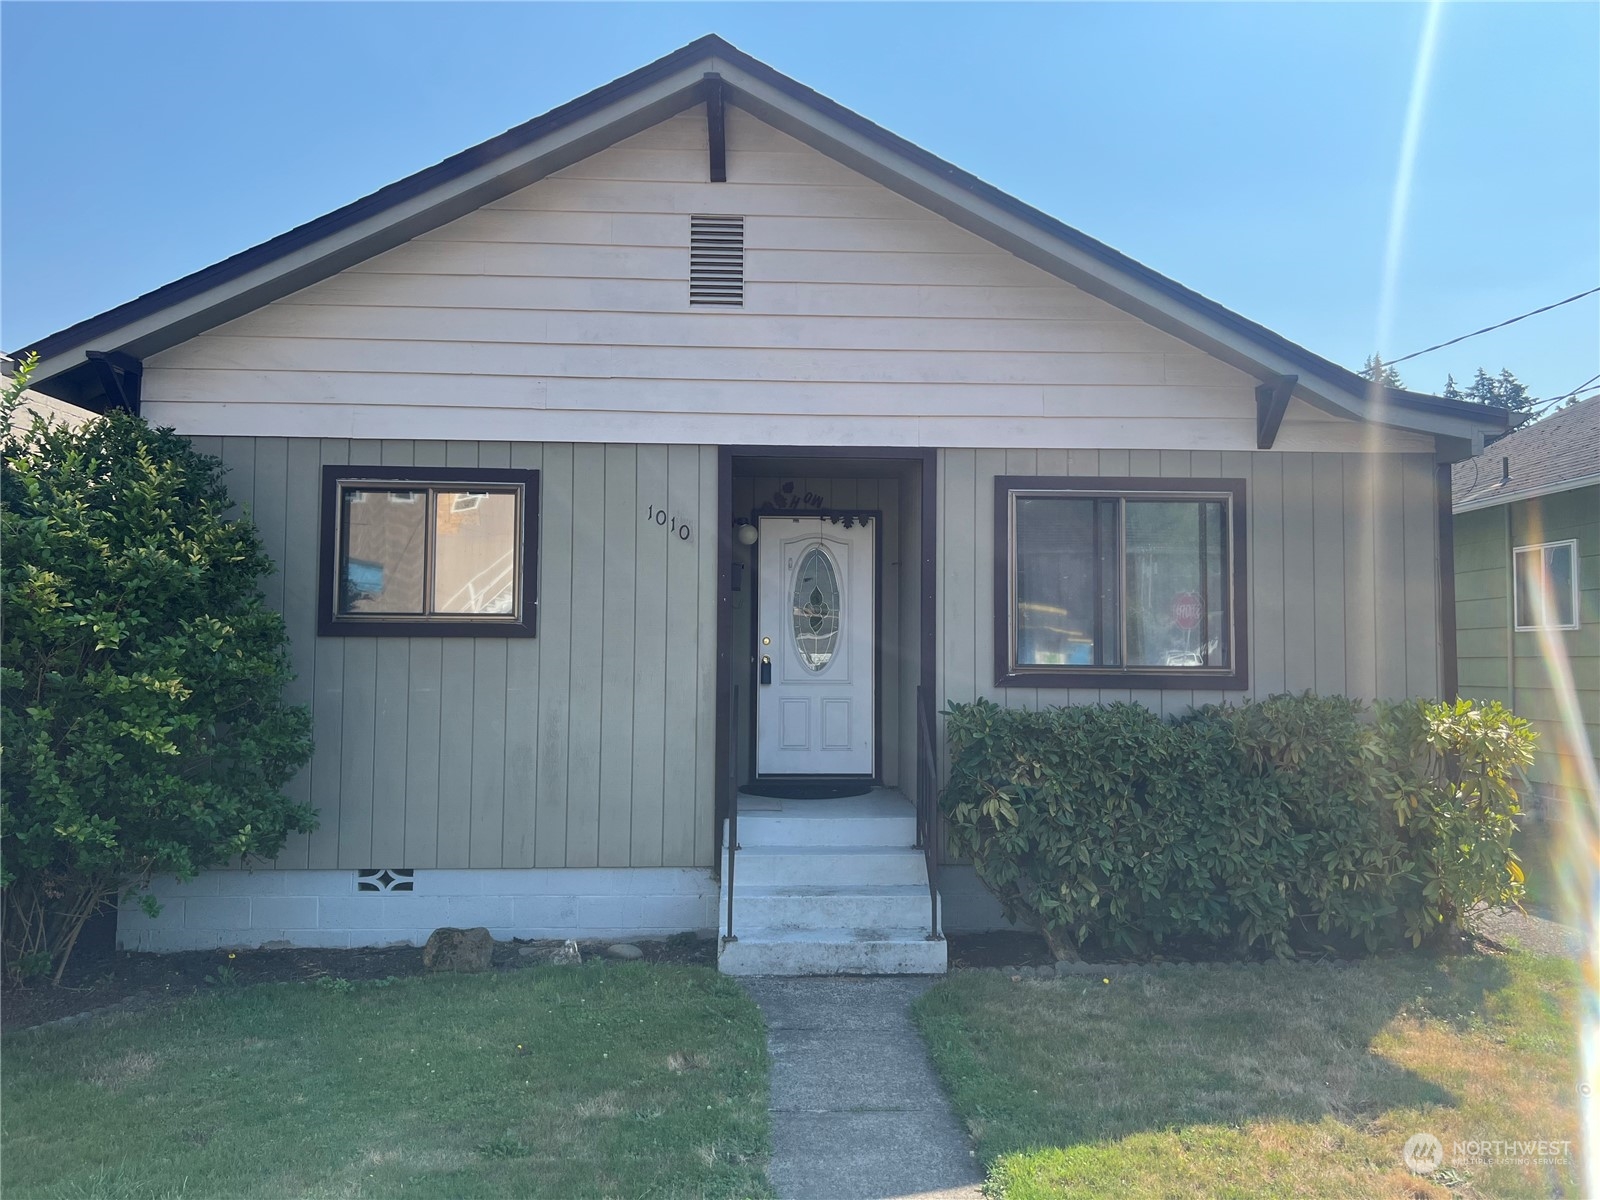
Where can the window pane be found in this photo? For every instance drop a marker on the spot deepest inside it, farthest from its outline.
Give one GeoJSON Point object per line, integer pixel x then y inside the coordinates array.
{"type": "Point", "coordinates": [1066, 584]}
{"type": "Point", "coordinates": [475, 553]}
{"type": "Point", "coordinates": [1177, 584]}
{"type": "Point", "coordinates": [382, 565]}
{"type": "Point", "coordinates": [1558, 574]}
{"type": "Point", "coordinates": [816, 609]}
{"type": "Point", "coordinates": [1544, 587]}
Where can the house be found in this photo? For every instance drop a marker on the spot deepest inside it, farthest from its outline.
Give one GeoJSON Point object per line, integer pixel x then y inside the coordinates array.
{"type": "Point", "coordinates": [647, 477]}
{"type": "Point", "coordinates": [1527, 591]}
{"type": "Point", "coordinates": [37, 404]}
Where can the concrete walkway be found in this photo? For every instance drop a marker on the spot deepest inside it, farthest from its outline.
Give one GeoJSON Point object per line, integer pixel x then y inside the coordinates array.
{"type": "Point", "coordinates": [857, 1112]}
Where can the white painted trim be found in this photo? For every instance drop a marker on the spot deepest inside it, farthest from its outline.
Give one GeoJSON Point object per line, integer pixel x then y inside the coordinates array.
{"type": "Point", "coordinates": [281, 909]}
{"type": "Point", "coordinates": [537, 424]}
{"type": "Point", "coordinates": [1571, 546]}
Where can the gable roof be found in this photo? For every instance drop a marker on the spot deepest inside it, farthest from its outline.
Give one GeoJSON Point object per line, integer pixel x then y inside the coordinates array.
{"type": "Point", "coordinates": [686, 77]}
{"type": "Point", "coordinates": [1557, 454]}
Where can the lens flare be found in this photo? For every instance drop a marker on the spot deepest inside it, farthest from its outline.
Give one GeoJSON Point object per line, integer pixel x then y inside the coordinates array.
{"type": "Point", "coordinates": [1575, 850]}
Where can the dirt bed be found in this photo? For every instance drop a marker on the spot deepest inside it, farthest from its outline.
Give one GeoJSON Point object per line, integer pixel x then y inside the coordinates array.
{"type": "Point", "coordinates": [101, 977]}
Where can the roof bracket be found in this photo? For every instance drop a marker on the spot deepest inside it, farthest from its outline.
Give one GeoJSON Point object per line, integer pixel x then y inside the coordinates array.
{"type": "Point", "coordinates": [716, 131]}
{"type": "Point", "coordinates": [1272, 401]}
{"type": "Point", "coordinates": [121, 375]}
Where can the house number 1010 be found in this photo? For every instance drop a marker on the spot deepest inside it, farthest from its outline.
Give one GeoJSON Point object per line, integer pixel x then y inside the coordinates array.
{"type": "Point", "coordinates": [660, 517]}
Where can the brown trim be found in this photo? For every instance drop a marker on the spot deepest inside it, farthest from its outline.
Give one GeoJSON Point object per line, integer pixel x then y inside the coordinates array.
{"type": "Point", "coordinates": [722, 803]}
{"type": "Point", "coordinates": [1449, 676]}
{"type": "Point", "coordinates": [330, 624]}
{"type": "Point", "coordinates": [927, 462]}
{"type": "Point", "coordinates": [1232, 679]}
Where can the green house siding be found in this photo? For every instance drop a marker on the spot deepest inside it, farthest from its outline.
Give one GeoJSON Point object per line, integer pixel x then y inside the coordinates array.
{"type": "Point", "coordinates": [1530, 671]}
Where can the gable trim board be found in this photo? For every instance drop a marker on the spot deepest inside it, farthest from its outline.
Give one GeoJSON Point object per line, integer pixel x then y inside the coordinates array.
{"type": "Point", "coordinates": [573, 131]}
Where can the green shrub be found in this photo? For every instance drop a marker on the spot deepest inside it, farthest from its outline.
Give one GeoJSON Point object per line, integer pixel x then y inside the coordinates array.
{"type": "Point", "coordinates": [1298, 821]}
{"type": "Point", "coordinates": [142, 677]}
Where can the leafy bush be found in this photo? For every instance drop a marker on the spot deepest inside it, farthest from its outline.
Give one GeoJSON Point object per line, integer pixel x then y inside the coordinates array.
{"type": "Point", "coordinates": [1297, 821]}
{"type": "Point", "coordinates": [142, 677]}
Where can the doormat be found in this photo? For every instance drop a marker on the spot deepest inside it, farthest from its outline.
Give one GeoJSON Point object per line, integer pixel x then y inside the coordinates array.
{"type": "Point", "coordinates": [806, 789]}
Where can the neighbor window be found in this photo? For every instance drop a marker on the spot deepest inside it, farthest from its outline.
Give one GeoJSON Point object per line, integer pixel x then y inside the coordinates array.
{"type": "Point", "coordinates": [428, 551]}
{"type": "Point", "coordinates": [1546, 585]}
{"type": "Point", "coordinates": [1119, 582]}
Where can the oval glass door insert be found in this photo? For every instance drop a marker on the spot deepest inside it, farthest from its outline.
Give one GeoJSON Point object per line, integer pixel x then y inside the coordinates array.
{"type": "Point", "coordinates": [816, 609]}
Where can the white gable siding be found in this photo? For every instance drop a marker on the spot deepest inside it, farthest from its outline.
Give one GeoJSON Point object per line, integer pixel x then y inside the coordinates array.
{"type": "Point", "coordinates": [561, 313]}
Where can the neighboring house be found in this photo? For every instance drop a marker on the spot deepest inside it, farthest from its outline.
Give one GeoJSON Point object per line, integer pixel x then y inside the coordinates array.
{"type": "Point", "coordinates": [701, 434]}
{"type": "Point", "coordinates": [1527, 576]}
{"type": "Point", "coordinates": [38, 404]}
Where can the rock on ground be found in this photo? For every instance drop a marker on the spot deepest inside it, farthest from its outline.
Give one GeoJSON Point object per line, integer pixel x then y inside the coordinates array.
{"type": "Point", "coordinates": [465, 950]}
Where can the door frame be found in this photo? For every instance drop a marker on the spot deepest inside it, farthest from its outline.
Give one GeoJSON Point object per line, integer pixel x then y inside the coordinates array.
{"type": "Point", "coordinates": [925, 485]}
{"type": "Point", "coordinates": [823, 514]}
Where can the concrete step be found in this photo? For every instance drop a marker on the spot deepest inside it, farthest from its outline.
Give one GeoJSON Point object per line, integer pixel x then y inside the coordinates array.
{"type": "Point", "coordinates": [796, 906]}
{"type": "Point", "coordinates": [882, 817]}
{"type": "Point", "coordinates": [828, 865]}
{"type": "Point", "coordinates": [782, 829]}
{"type": "Point", "coordinates": [843, 951]}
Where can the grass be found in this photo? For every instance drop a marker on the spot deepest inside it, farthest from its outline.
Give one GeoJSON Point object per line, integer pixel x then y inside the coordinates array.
{"type": "Point", "coordinates": [561, 1081]}
{"type": "Point", "coordinates": [1276, 1081]}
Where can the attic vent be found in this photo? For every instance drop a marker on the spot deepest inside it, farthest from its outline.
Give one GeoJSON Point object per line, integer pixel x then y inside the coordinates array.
{"type": "Point", "coordinates": [716, 261]}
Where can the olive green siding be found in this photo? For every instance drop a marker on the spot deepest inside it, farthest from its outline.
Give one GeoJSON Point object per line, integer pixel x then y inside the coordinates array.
{"type": "Point", "coordinates": [1528, 671]}
{"type": "Point", "coordinates": [1342, 558]}
{"type": "Point", "coordinates": [590, 745]}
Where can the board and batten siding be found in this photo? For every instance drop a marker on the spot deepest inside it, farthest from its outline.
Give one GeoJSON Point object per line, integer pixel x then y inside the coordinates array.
{"type": "Point", "coordinates": [590, 745]}
{"type": "Point", "coordinates": [1342, 571]}
{"type": "Point", "coordinates": [560, 313]}
{"type": "Point", "coordinates": [1499, 663]}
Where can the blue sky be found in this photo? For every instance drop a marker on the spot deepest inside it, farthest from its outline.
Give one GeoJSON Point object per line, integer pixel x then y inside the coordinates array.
{"type": "Point", "coordinates": [1248, 151]}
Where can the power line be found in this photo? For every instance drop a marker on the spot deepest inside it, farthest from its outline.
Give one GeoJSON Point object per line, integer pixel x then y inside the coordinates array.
{"type": "Point", "coordinates": [1585, 386]}
{"type": "Point", "coordinates": [1490, 328]}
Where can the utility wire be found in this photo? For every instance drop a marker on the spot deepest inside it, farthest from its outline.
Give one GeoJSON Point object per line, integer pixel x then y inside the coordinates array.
{"type": "Point", "coordinates": [1489, 328]}
{"type": "Point", "coordinates": [1585, 386]}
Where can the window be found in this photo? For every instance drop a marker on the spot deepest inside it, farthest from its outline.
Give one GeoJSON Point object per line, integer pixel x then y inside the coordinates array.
{"type": "Point", "coordinates": [1546, 578]}
{"type": "Point", "coordinates": [1119, 583]}
{"type": "Point", "coordinates": [428, 552]}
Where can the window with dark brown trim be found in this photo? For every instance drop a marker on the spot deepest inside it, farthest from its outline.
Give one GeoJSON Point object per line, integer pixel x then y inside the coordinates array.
{"type": "Point", "coordinates": [1114, 582]}
{"type": "Point", "coordinates": [428, 552]}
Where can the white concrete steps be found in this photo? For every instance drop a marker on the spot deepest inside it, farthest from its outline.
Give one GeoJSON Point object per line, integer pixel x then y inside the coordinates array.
{"type": "Point", "coordinates": [828, 887]}
{"type": "Point", "coordinates": [825, 865]}
{"type": "Point", "coordinates": [833, 952]}
{"type": "Point", "coordinates": [854, 906]}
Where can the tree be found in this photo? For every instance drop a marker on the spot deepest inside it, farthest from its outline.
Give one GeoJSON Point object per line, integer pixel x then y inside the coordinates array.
{"type": "Point", "coordinates": [1378, 371]}
{"type": "Point", "coordinates": [141, 678]}
{"type": "Point", "coordinates": [1497, 391]}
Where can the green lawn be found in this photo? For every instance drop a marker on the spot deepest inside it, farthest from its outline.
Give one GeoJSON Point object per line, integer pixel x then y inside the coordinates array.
{"type": "Point", "coordinates": [626, 1080]}
{"type": "Point", "coordinates": [1277, 1081]}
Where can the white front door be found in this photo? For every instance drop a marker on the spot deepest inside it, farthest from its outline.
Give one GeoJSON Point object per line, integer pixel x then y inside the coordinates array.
{"type": "Point", "coordinates": [814, 647]}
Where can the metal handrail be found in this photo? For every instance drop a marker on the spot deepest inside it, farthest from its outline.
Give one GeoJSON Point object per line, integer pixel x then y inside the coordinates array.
{"type": "Point", "coordinates": [929, 820]}
{"type": "Point", "coordinates": [731, 841]}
